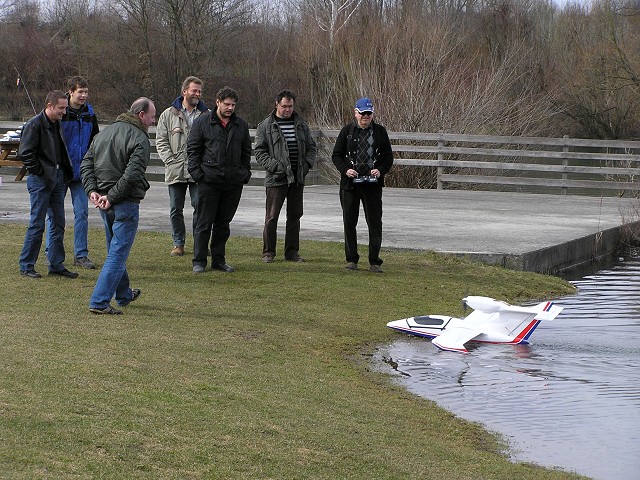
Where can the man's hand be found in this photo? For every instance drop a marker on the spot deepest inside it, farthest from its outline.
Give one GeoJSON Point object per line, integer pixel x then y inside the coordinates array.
{"type": "Point", "coordinates": [103, 203]}
{"type": "Point", "coordinates": [95, 199]}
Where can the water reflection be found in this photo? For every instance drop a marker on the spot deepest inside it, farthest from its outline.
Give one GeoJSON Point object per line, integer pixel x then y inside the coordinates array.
{"type": "Point", "coordinates": [568, 400]}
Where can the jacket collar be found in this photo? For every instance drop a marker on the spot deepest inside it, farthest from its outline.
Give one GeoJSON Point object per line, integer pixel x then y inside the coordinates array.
{"type": "Point", "coordinates": [177, 104]}
{"type": "Point", "coordinates": [131, 119]}
{"type": "Point", "coordinates": [216, 119]}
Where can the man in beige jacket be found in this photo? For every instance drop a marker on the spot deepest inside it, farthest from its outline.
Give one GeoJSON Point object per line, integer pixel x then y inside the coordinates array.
{"type": "Point", "coordinates": [171, 144]}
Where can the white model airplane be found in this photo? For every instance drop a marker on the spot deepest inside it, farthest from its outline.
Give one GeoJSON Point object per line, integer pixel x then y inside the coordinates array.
{"type": "Point", "coordinates": [492, 321]}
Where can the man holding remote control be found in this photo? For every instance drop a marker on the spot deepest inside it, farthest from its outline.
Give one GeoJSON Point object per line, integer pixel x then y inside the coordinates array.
{"type": "Point", "coordinates": [363, 156]}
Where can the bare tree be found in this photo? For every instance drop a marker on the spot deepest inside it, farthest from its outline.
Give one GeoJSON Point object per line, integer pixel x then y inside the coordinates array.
{"type": "Point", "coordinates": [332, 15]}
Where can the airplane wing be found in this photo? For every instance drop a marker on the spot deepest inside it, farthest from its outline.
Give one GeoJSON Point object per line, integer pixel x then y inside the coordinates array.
{"type": "Point", "coordinates": [453, 339]}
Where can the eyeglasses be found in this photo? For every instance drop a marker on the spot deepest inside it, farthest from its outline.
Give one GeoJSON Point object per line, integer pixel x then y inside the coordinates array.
{"type": "Point", "coordinates": [366, 114]}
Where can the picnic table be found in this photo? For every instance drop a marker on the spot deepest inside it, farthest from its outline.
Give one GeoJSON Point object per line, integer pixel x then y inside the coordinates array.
{"type": "Point", "coordinates": [8, 150]}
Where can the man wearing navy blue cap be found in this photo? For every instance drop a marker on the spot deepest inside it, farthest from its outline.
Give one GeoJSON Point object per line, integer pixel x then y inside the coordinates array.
{"type": "Point", "coordinates": [363, 156]}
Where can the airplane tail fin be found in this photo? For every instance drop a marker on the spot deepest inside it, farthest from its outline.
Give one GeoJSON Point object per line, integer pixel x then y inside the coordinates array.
{"type": "Point", "coordinates": [547, 311]}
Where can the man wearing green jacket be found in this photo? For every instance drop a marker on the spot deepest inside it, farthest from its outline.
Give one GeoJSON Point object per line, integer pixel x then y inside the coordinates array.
{"type": "Point", "coordinates": [113, 176]}
{"type": "Point", "coordinates": [286, 150]}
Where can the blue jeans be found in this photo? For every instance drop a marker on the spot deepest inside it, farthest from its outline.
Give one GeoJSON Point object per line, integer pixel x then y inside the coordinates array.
{"type": "Point", "coordinates": [177, 195]}
{"type": "Point", "coordinates": [80, 202]}
{"type": "Point", "coordinates": [44, 198]}
{"type": "Point", "coordinates": [120, 225]}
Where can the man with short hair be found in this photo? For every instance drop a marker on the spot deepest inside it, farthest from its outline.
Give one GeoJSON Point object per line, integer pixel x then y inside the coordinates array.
{"type": "Point", "coordinates": [44, 154]}
{"type": "Point", "coordinates": [219, 159]}
{"type": "Point", "coordinates": [286, 150]}
{"type": "Point", "coordinates": [363, 156]}
{"type": "Point", "coordinates": [113, 178]}
{"type": "Point", "coordinates": [79, 125]}
{"type": "Point", "coordinates": [171, 143]}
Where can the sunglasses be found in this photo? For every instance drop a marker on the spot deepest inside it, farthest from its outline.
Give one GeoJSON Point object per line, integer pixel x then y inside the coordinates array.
{"type": "Point", "coordinates": [366, 114]}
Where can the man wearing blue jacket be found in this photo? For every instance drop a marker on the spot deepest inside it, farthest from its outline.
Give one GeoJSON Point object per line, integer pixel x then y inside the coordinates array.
{"type": "Point", "coordinates": [79, 126]}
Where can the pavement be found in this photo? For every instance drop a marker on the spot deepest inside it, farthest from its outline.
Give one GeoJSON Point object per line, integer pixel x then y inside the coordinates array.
{"type": "Point", "coordinates": [533, 232]}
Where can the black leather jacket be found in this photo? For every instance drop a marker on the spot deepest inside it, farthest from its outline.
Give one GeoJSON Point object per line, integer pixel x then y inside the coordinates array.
{"type": "Point", "coordinates": [219, 156]}
{"type": "Point", "coordinates": [37, 149]}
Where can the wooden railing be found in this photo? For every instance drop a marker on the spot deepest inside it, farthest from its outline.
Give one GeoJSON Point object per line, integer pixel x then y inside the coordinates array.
{"type": "Point", "coordinates": [541, 162]}
{"type": "Point", "coordinates": [464, 161]}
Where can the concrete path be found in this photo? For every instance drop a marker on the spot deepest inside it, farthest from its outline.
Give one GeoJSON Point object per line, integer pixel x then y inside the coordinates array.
{"type": "Point", "coordinates": [521, 231]}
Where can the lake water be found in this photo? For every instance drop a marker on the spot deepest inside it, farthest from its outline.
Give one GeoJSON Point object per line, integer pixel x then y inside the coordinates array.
{"type": "Point", "coordinates": [570, 399]}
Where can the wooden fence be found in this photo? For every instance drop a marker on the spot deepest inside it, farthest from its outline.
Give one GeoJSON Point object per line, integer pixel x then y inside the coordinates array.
{"type": "Point", "coordinates": [552, 165]}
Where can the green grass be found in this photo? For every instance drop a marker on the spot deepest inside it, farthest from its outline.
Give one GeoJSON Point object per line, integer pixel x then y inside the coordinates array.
{"type": "Point", "coordinates": [261, 374]}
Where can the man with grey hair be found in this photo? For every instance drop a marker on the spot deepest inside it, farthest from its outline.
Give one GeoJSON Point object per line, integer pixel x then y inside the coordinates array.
{"type": "Point", "coordinates": [113, 176]}
{"type": "Point", "coordinates": [171, 143]}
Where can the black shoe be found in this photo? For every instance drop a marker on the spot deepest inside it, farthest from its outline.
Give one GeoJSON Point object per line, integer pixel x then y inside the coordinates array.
{"type": "Point", "coordinates": [225, 267]}
{"type": "Point", "coordinates": [135, 293]}
{"type": "Point", "coordinates": [64, 273]}
{"type": "Point", "coordinates": [30, 274]}
{"type": "Point", "coordinates": [108, 310]}
{"type": "Point", "coordinates": [198, 269]}
{"type": "Point", "coordinates": [295, 258]}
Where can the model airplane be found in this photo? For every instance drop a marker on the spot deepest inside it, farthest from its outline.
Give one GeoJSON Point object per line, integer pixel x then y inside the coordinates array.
{"type": "Point", "coordinates": [492, 321]}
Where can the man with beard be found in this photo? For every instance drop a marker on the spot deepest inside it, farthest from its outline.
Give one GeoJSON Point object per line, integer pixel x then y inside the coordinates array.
{"type": "Point", "coordinates": [219, 156]}
{"type": "Point", "coordinates": [171, 143]}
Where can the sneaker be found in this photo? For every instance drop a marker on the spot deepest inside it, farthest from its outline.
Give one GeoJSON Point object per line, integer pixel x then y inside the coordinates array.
{"type": "Point", "coordinates": [198, 269]}
{"type": "Point", "coordinates": [108, 310]}
{"type": "Point", "coordinates": [84, 262]}
{"type": "Point", "coordinates": [267, 258]}
{"type": "Point", "coordinates": [64, 273]}
{"type": "Point", "coordinates": [177, 251]}
{"type": "Point", "coordinates": [375, 269]}
{"type": "Point", "coordinates": [135, 293]}
{"type": "Point", "coordinates": [30, 274]}
{"type": "Point", "coordinates": [223, 267]}
{"type": "Point", "coordinates": [295, 258]}
{"type": "Point", "coordinates": [351, 266]}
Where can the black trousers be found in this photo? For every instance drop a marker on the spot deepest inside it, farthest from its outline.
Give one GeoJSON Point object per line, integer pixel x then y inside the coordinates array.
{"type": "Point", "coordinates": [215, 209]}
{"type": "Point", "coordinates": [276, 196]}
{"type": "Point", "coordinates": [371, 198]}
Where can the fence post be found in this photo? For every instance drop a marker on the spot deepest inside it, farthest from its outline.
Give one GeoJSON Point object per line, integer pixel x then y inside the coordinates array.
{"type": "Point", "coordinates": [565, 163]}
{"type": "Point", "coordinates": [439, 169]}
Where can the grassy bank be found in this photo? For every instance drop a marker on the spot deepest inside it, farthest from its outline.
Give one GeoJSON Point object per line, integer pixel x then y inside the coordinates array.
{"type": "Point", "coordinates": [259, 374]}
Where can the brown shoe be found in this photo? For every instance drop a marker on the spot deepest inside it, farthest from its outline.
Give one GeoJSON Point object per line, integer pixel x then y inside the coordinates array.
{"type": "Point", "coordinates": [375, 269]}
{"type": "Point", "coordinates": [351, 266]}
{"type": "Point", "coordinates": [267, 258]}
{"type": "Point", "coordinates": [177, 251]}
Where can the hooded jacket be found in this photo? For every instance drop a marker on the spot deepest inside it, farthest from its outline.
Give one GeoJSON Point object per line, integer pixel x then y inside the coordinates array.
{"type": "Point", "coordinates": [171, 141]}
{"type": "Point", "coordinates": [78, 128]}
{"type": "Point", "coordinates": [37, 149]}
{"type": "Point", "coordinates": [217, 155]}
{"type": "Point", "coordinates": [273, 154]}
{"type": "Point", "coordinates": [117, 160]}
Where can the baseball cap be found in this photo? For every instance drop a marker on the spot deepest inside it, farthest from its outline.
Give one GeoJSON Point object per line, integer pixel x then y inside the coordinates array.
{"type": "Point", "coordinates": [364, 105]}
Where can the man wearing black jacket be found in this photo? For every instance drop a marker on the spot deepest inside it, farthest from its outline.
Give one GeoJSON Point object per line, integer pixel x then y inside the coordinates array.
{"type": "Point", "coordinates": [363, 156]}
{"type": "Point", "coordinates": [44, 154]}
{"type": "Point", "coordinates": [219, 161]}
